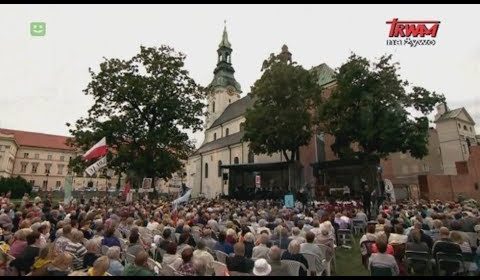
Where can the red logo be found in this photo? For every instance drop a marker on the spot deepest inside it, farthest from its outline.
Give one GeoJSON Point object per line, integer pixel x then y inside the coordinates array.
{"type": "Point", "coordinates": [413, 28]}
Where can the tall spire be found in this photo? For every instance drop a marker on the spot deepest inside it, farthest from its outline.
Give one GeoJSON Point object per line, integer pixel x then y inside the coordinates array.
{"type": "Point", "coordinates": [225, 43]}
{"type": "Point", "coordinates": [224, 70]}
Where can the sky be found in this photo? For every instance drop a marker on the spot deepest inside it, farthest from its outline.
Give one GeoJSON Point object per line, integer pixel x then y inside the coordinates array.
{"type": "Point", "coordinates": [42, 77]}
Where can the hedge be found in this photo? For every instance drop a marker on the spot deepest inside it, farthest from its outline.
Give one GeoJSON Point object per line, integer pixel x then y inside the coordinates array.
{"type": "Point", "coordinates": [18, 186]}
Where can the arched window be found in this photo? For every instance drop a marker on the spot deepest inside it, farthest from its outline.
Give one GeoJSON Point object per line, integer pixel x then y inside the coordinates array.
{"type": "Point", "coordinates": [235, 160]}
{"type": "Point", "coordinates": [464, 127]}
{"type": "Point", "coordinates": [242, 126]}
{"type": "Point", "coordinates": [213, 106]}
{"type": "Point", "coordinates": [226, 131]}
{"type": "Point", "coordinates": [459, 126]}
{"type": "Point", "coordinates": [219, 168]}
{"type": "Point", "coordinates": [206, 170]}
{"type": "Point", "coordinates": [215, 136]}
{"type": "Point", "coordinates": [251, 157]}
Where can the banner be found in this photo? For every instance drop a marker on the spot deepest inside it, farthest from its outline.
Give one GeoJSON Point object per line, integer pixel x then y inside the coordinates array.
{"type": "Point", "coordinates": [289, 201]}
{"type": "Point", "coordinates": [389, 190]}
{"type": "Point", "coordinates": [257, 181]}
{"type": "Point", "coordinates": [182, 199]}
{"type": "Point", "coordinates": [67, 188]}
{"type": "Point", "coordinates": [92, 169]}
{"type": "Point", "coordinates": [147, 183]}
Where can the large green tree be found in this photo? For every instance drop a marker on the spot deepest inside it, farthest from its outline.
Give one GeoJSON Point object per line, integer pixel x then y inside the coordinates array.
{"type": "Point", "coordinates": [143, 106]}
{"type": "Point", "coordinates": [371, 109]}
{"type": "Point", "coordinates": [281, 119]}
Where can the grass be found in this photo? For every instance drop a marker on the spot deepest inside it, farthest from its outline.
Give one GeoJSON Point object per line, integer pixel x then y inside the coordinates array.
{"type": "Point", "coordinates": [349, 261]}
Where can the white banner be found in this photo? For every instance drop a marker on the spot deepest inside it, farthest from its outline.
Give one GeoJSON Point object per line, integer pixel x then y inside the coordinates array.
{"type": "Point", "coordinates": [184, 198]}
{"type": "Point", "coordinates": [92, 169]}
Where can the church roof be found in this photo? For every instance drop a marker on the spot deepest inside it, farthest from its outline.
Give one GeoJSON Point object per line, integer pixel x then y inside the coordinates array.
{"type": "Point", "coordinates": [453, 114]}
{"type": "Point", "coordinates": [325, 74]}
{"type": "Point", "coordinates": [234, 110]}
{"type": "Point", "coordinates": [220, 143]}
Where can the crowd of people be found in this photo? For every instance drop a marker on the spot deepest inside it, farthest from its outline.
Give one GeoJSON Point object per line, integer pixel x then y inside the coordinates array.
{"type": "Point", "coordinates": [106, 236]}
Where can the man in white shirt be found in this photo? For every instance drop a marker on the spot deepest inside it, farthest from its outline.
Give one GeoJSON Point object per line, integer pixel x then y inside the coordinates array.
{"type": "Point", "coordinates": [261, 250]}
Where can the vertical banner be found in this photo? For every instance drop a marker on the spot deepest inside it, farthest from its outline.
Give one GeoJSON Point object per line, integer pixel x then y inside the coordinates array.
{"type": "Point", "coordinates": [147, 183]}
{"type": "Point", "coordinates": [67, 188]}
{"type": "Point", "coordinates": [289, 201]}
{"type": "Point", "coordinates": [257, 181]}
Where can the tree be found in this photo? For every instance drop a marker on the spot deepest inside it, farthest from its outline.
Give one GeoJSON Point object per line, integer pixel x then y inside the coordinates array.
{"type": "Point", "coordinates": [143, 107]}
{"type": "Point", "coordinates": [281, 118]}
{"type": "Point", "coordinates": [17, 186]}
{"type": "Point", "coordinates": [370, 109]}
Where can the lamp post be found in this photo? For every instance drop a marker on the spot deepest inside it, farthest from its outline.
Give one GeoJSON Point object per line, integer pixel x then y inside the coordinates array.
{"type": "Point", "coordinates": [48, 174]}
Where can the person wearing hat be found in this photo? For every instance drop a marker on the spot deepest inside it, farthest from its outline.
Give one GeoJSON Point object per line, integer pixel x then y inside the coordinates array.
{"type": "Point", "coordinates": [262, 268]}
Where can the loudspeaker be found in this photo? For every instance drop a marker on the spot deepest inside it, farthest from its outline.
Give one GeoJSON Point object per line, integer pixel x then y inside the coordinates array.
{"type": "Point", "coordinates": [225, 176]}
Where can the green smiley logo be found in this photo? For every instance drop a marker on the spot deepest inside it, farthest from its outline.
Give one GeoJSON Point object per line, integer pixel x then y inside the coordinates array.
{"type": "Point", "coordinates": [38, 28]}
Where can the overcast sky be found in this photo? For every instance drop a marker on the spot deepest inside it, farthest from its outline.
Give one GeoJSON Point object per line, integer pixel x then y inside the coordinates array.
{"type": "Point", "coordinates": [42, 78]}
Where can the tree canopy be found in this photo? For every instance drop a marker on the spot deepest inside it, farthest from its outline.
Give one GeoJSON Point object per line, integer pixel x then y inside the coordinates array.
{"type": "Point", "coordinates": [371, 109]}
{"type": "Point", "coordinates": [142, 106]}
{"type": "Point", "coordinates": [281, 119]}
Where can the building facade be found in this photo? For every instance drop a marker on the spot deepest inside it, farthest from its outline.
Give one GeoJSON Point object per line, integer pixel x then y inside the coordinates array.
{"type": "Point", "coordinates": [225, 118]}
{"type": "Point", "coordinates": [42, 159]}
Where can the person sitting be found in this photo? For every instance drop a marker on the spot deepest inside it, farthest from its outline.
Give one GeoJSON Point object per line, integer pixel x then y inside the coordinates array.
{"type": "Point", "coordinates": [261, 250]}
{"type": "Point", "coordinates": [239, 262]}
{"type": "Point", "coordinates": [171, 257]}
{"type": "Point", "coordinates": [187, 268]}
{"type": "Point", "coordinates": [249, 242]}
{"type": "Point", "coordinates": [110, 239]}
{"type": "Point", "coordinates": [370, 235]}
{"type": "Point", "coordinates": [100, 267]}
{"type": "Point", "coordinates": [135, 245]}
{"type": "Point", "coordinates": [389, 249]}
{"type": "Point", "coordinates": [425, 237]}
{"type": "Point", "coordinates": [201, 254]}
{"type": "Point", "coordinates": [115, 268]}
{"type": "Point", "coordinates": [62, 241]}
{"type": "Point", "coordinates": [311, 248]}
{"type": "Point", "coordinates": [382, 258]}
{"type": "Point", "coordinates": [140, 267]}
{"type": "Point", "coordinates": [293, 253]}
{"type": "Point", "coordinates": [397, 237]}
{"type": "Point", "coordinates": [296, 235]}
{"type": "Point", "coordinates": [278, 268]}
{"type": "Point", "coordinates": [222, 245]}
{"type": "Point", "coordinates": [61, 265]}
{"type": "Point", "coordinates": [417, 244]}
{"type": "Point", "coordinates": [45, 257]}
{"type": "Point", "coordinates": [19, 244]}
{"type": "Point", "coordinates": [207, 238]}
{"type": "Point", "coordinates": [166, 239]}
{"type": "Point", "coordinates": [76, 248]}
{"type": "Point", "coordinates": [26, 260]}
{"type": "Point", "coordinates": [92, 253]}
{"type": "Point", "coordinates": [444, 244]}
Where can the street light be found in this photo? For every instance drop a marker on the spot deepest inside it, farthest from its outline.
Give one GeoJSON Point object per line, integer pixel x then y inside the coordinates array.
{"type": "Point", "coordinates": [48, 174]}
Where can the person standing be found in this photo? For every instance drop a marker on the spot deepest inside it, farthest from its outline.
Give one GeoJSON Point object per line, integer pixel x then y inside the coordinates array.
{"type": "Point", "coordinates": [367, 197]}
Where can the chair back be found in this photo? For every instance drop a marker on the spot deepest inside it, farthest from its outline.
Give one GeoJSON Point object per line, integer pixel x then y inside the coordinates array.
{"type": "Point", "coordinates": [418, 261]}
{"type": "Point", "coordinates": [293, 267]}
{"type": "Point", "coordinates": [327, 251]}
{"type": "Point", "coordinates": [380, 271]}
{"type": "Point", "coordinates": [450, 263]}
{"type": "Point", "coordinates": [314, 263]}
{"type": "Point", "coordinates": [129, 258]}
{"type": "Point", "coordinates": [221, 256]}
{"type": "Point", "coordinates": [366, 251]}
{"type": "Point", "coordinates": [168, 270]}
{"type": "Point", "coordinates": [219, 268]}
{"type": "Point", "coordinates": [155, 266]}
{"type": "Point", "coordinates": [399, 251]}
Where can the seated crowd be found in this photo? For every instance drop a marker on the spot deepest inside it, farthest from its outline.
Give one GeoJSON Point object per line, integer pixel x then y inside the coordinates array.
{"type": "Point", "coordinates": [105, 237]}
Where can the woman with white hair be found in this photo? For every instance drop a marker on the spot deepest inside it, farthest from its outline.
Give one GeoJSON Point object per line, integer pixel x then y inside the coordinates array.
{"type": "Point", "coordinates": [293, 253]}
{"type": "Point", "coordinates": [262, 225]}
{"type": "Point", "coordinates": [115, 268]}
{"type": "Point", "coordinates": [249, 242]}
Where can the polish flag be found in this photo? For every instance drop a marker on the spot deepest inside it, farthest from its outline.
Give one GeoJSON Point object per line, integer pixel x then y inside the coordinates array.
{"type": "Point", "coordinates": [98, 150]}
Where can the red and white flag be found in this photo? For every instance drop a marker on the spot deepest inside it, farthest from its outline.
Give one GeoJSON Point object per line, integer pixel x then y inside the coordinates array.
{"type": "Point", "coordinates": [98, 150]}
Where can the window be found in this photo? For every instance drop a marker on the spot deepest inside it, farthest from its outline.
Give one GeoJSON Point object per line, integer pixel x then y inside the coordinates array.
{"type": "Point", "coordinates": [464, 127]}
{"type": "Point", "coordinates": [60, 169]}
{"type": "Point", "coordinates": [57, 184]}
{"type": "Point", "coordinates": [25, 155]}
{"type": "Point", "coordinates": [24, 167]}
{"type": "Point", "coordinates": [37, 156]}
{"type": "Point", "coordinates": [213, 106]}
{"type": "Point", "coordinates": [62, 158]}
{"type": "Point", "coordinates": [215, 136]}
{"type": "Point", "coordinates": [251, 157]}
{"type": "Point", "coordinates": [219, 168]}
{"type": "Point", "coordinates": [47, 168]}
{"type": "Point", "coordinates": [34, 167]}
{"type": "Point", "coordinates": [44, 184]}
{"type": "Point", "coordinates": [459, 126]}
{"type": "Point", "coordinates": [227, 131]}
{"type": "Point", "coordinates": [32, 182]}
{"type": "Point", "coordinates": [206, 170]}
{"type": "Point", "coordinates": [49, 157]}
{"type": "Point", "coordinates": [235, 160]}
{"type": "Point", "coordinates": [242, 126]}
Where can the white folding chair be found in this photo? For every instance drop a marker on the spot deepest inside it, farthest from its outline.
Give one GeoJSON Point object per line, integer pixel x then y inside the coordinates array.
{"type": "Point", "coordinates": [221, 256]}
{"type": "Point", "coordinates": [315, 264]}
{"type": "Point", "coordinates": [219, 268]}
{"type": "Point", "coordinates": [155, 266]}
{"type": "Point", "coordinates": [328, 257]}
{"type": "Point", "coordinates": [294, 267]}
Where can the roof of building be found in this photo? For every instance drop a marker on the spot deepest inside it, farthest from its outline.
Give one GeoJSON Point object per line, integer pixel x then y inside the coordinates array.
{"type": "Point", "coordinates": [453, 114]}
{"type": "Point", "coordinates": [234, 110]}
{"type": "Point", "coordinates": [38, 140]}
{"type": "Point", "coordinates": [325, 74]}
{"type": "Point", "coordinates": [220, 143]}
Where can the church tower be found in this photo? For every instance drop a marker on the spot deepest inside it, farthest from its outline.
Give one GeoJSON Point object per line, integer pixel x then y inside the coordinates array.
{"type": "Point", "coordinates": [224, 89]}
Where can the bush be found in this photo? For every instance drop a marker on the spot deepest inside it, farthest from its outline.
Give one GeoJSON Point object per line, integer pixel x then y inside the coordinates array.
{"type": "Point", "coordinates": [18, 186]}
